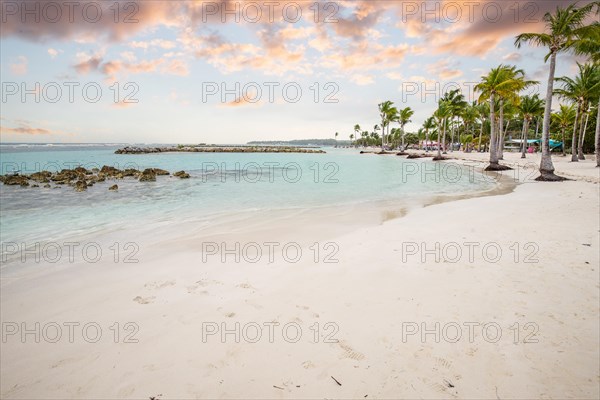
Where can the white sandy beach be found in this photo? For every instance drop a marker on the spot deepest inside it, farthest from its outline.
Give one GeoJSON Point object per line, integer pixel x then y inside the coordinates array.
{"type": "Point", "coordinates": [547, 310]}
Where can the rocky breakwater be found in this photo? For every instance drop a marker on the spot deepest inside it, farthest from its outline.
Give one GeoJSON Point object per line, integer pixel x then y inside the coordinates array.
{"type": "Point", "coordinates": [212, 149]}
{"type": "Point", "coordinates": [80, 178]}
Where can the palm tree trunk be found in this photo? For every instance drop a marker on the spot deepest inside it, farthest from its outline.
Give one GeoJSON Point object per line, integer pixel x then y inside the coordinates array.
{"type": "Point", "coordinates": [481, 134]}
{"type": "Point", "coordinates": [439, 146]}
{"type": "Point", "coordinates": [452, 137]}
{"type": "Point", "coordinates": [574, 142]}
{"type": "Point", "coordinates": [500, 145]}
{"type": "Point", "coordinates": [525, 131]}
{"type": "Point", "coordinates": [598, 136]}
{"type": "Point", "coordinates": [564, 151]}
{"type": "Point", "coordinates": [493, 139]}
{"type": "Point", "coordinates": [382, 134]}
{"type": "Point", "coordinates": [546, 166]}
{"type": "Point", "coordinates": [580, 154]}
{"type": "Point", "coordinates": [444, 136]}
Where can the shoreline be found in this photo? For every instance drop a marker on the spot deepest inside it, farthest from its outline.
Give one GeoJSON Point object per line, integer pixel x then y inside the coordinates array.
{"type": "Point", "coordinates": [370, 296]}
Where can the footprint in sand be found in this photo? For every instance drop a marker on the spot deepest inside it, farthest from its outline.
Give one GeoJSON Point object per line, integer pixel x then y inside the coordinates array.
{"type": "Point", "coordinates": [349, 352]}
{"type": "Point", "coordinates": [159, 285]}
{"type": "Point", "coordinates": [447, 380]}
{"type": "Point", "coordinates": [230, 315]}
{"type": "Point", "coordinates": [144, 300]}
{"type": "Point", "coordinates": [308, 365]}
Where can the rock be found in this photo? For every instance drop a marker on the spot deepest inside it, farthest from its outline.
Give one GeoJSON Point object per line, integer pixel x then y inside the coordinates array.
{"type": "Point", "coordinates": [80, 186]}
{"type": "Point", "coordinates": [131, 172]}
{"type": "Point", "coordinates": [47, 186]}
{"type": "Point", "coordinates": [35, 186]}
{"type": "Point", "coordinates": [14, 180]}
{"type": "Point", "coordinates": [182, 175]}
{"type": "Point", "coordinates": [148, 175]}
{"type": "Point", "coordinates": [114, 187]}
{"type": "Point", "coordinates": [159, 171]}
{"type": "Point", "coordinates": [41, 177]}
{"type": "Point", "coordinates": [82, 170]}
{"type": "Point", "coordinates": [109, 171]}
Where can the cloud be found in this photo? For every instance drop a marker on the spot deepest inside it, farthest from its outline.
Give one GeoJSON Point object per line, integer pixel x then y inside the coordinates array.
{"type": "Point", "coordinates": [53, 53]}
{"type": "Point", "coordinates": [362, 80]}
{"type": "Point", "coordinates": [444, 70]}
{"type": "Point", "coordinates": [163, 44]}
{"type": "Point", "coordinates": [24, 130]}
{"type": "Point", "coordinates": [19, 66]}
{"type": "Point", "coordinates": [512, 57]}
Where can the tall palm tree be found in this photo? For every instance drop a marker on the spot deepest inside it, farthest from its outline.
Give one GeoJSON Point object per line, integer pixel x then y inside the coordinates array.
{"type": "Point", "coordinates": [428, 125]}
{"type": "Point", "coordinates": [483, 110]}
{"type": "Point", "coordinates": [404, 117]}
{"type": "Point", "coordinates": [529, 107]}
{"type": "Point", "coordinates": [581, 90]}
{"type": "Point", "coordinates": [562, 30]}
{"type": "Point", "coordinates": [456, 104]}
{"type": "Point", "coordinates": [385, 111]}
{"type": "Point", "coordinates": [564, 118]}
{"type": "Point", "coordinates": [588, 44]}
{"type": "Point", "coordinates": [501, 83]}
{"type": "Point", "coordinates": [441, 116]}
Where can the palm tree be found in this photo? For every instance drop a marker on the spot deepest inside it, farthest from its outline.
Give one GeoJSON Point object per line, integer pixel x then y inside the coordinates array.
{"type": "Point", "coordinates": [403, 118]}
{"type": "Point", "coordinates": [385, 111]}
{"type": "Point", "coordinates": [456, 103]}
{"type": "Point", "coordinates": [580, 91]}
{"type": "Point", "coordinates": [588, 44]}
{"type": "Point", "coordinates": [441, 116]}
{"type": "Point", "coordinates": [563, 28]}
{"type": "Point", "coordinates": [564, 119]}
{"type": "Point", "coordinates": [483, 110]}
{"type": "Point", "coordinates": [352, 139]}
{"type": "Point", "coordinates": [529, 107]}
{"type": "Point", "coordinates": [336, 136]}
{"type": "Point", "coordinates": [502, 83]}
{"type": "Point", "coordinates": [428, 126]}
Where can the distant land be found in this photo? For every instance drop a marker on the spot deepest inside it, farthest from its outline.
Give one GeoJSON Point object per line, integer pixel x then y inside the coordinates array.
{"type": "Point", "coordinates": [302, 142]}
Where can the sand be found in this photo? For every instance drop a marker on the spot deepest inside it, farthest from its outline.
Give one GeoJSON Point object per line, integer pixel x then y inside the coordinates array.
{"type": "Point", "coordinates": [523, 324]}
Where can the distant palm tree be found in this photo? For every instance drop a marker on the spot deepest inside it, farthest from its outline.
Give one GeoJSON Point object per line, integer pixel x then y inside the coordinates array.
{"type": "Point", "coordinates": [385, 110]}
{"type": "Point", "coordinates": [564, 119]}
{"type": "Point", "coordinates": [563, 28]}
{"type": "Point", "coordinates": [483, 110]}
{"type": "Point", "coordinates": [456, 103]}
{"type": "Point", "coordinates": [404, 117]}
{"type": "Point", "coordinates": [441, 116]}
{"type": "Point", "coordinates": [352, 139]}
{"type": "Point", "coordinates": [529, 107]}
{"type": "Point", "coordinates": [581, 90]}
{"type": "Point", "coordinates": [429, 125]}
{"type": "Point", "coordinates": [500, 84]}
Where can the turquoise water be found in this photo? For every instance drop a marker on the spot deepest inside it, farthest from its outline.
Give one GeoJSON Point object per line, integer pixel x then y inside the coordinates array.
{"type": "Point", "coordinates": [220, 184]}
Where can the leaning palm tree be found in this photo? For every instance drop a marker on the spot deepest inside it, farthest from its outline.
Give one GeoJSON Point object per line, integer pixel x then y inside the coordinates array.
{"type": "Point", "coordinates": [529, 107]}
{"type": "Point", "coordinates": [501, 83]}
{"type": "Point", "coordinates": [562, 30]}
{"type": "Point", "coordinates": [563, 119]}
{"type": "Point", "coordinates": [580, 91]}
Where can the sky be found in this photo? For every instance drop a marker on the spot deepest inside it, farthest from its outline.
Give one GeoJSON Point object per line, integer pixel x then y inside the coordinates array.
{"type": "Point", "coordinates": [235, 71]}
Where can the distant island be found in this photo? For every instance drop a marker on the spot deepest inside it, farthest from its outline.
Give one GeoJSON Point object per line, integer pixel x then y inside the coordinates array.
{"type": "Point", "coordinates": [302, 142]}
{"type": "Point", "coordinates": [216, 149]}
